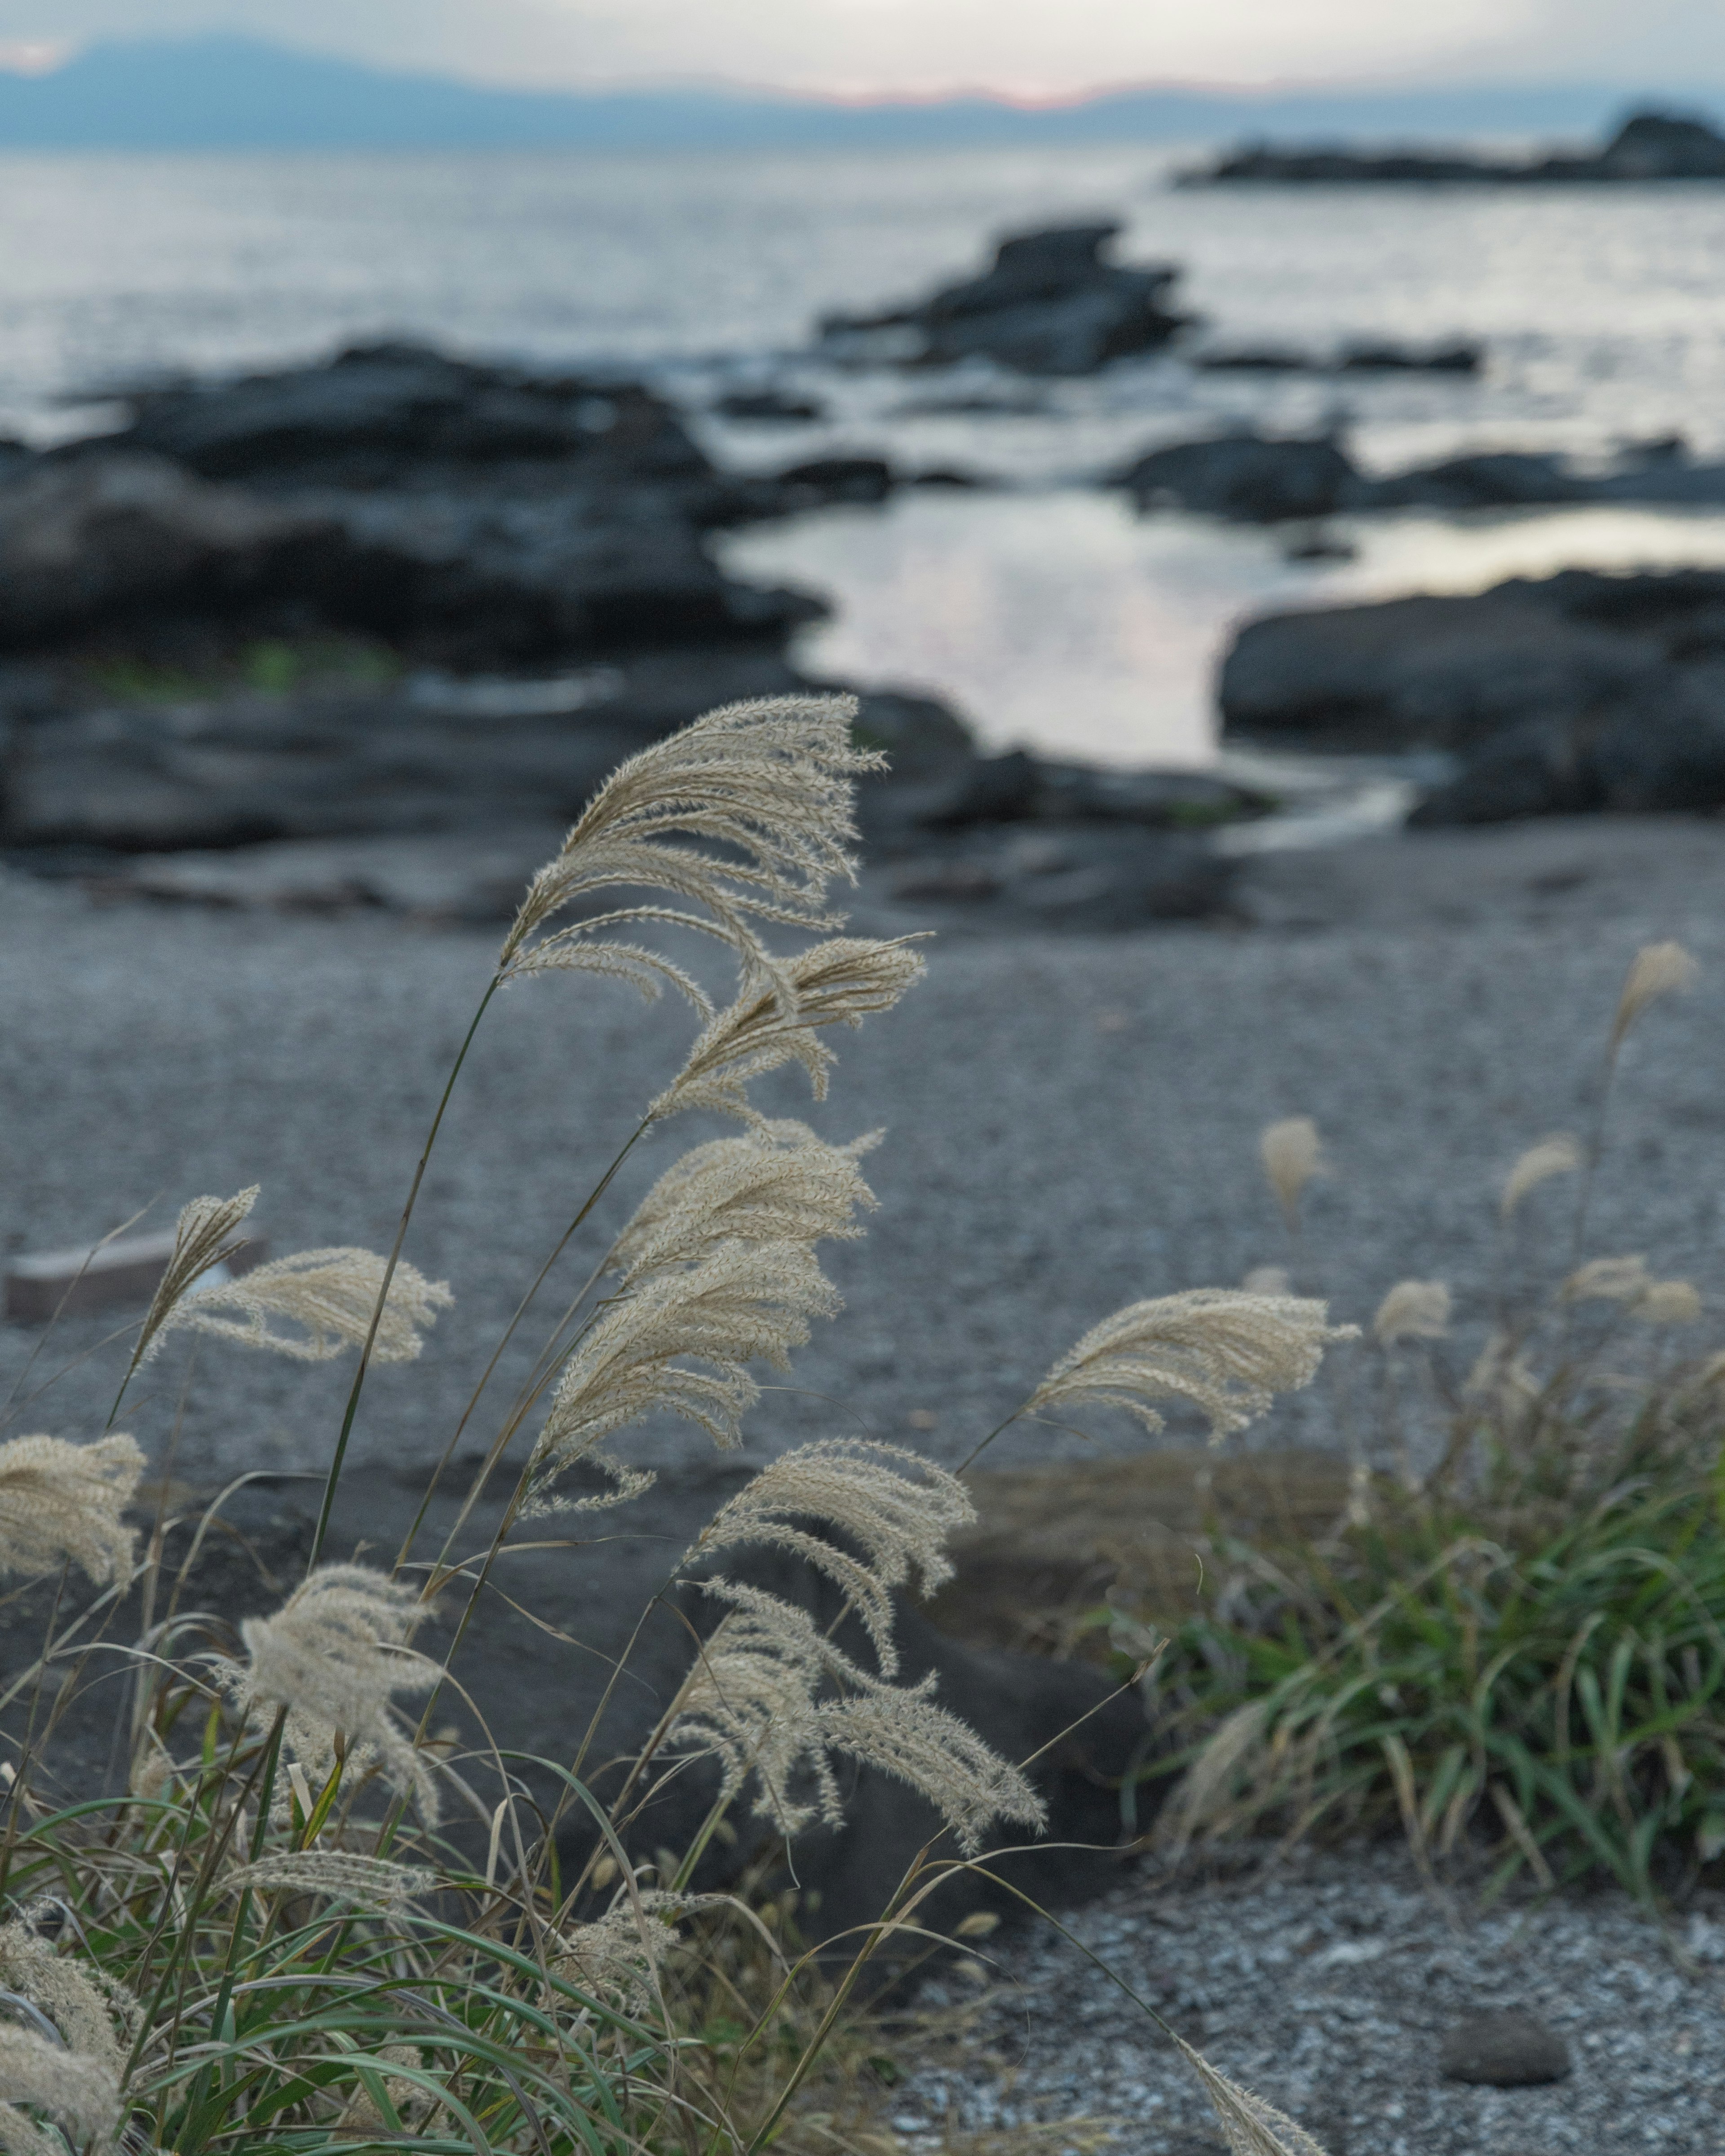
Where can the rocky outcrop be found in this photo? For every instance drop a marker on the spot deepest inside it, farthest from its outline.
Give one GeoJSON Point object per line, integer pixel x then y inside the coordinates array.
{"type": "Point", "coordinates": [1256, 478]}
{"type": "Point", "coordinates": [1374, 359]}
{"type": "Point", "coordinates": [1050, 305]}
{"type": "Point", "coordinates": [548, 1691]}
{"type": "Point", "coordinates": [1649, 146]}
{"type": "Point", "coordinates": [1579, 692]}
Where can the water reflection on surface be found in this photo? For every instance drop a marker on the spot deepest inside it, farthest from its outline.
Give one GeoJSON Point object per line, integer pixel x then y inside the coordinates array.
{"type": "Point", "coordinates": [1059, 620]}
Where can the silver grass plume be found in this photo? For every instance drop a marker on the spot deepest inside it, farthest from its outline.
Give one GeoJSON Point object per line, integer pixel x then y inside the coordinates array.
{"type": "Point", "coordinates": [778, 1016]}
{"type": "Point", "coordinates": [1227, 1353]}
{"type": "Point", "coordinates": [1412, 1310]}
{"type": "Point", "coordinates": [79, 2092]}
{"type": "Point", "coordinates": [617, 1958]}
{"type": "Point", "coordinates": [334, 1656]}
{"type": "Point", "coordinates": [743, 817]}
{"type": "Point", "coordinates": [1249, 2126]}
{"type": "Point", "coordinates": [61, 1503]}
{"type": "Point", "coordinates": [777, 1184]}
{"type": "Point", "coordinates": [340, 1875]}
{"type": "Point", "coordinates": [898, 1508]}
{"type": "Point", "coordinates": [755, 1701]}
{"type": "Point", "coordinates": [1607, 1280]}
{"type": "Point", "coordinates": [1560, 1154]}
{"type": "Point", "coordinates": [748, 1301]}
{"type": "Point", "coordinates": [81, 2001]}
{"type": "Point", "coordinates": [204, 1235]}
{"type": "Point", "coordinates": [1657, 969]}
{"type": "Point", "coordinates": [1627, 1280]}
{"type": "Point", "coordinates": [1292, 1154]}
{"type": "Point", "coordinates": [331, 1295]}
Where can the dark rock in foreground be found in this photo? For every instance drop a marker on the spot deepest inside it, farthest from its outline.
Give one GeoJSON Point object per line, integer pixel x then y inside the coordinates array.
{"type": "Point", "coordinates": [1266, 479]}
{"type": "Point", "coordinates": [1580, 692]}
{"type": "Point", "coordinates": [540, 1694]}
{"type": "Point", "coordinates": [1650, 145]}
{"type": "Point", "coordinates": [1507, 2049]}
{"type": "Point", "coordinates": [1050, 305]}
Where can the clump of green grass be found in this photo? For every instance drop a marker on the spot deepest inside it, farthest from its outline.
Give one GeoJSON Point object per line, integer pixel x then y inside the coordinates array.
{"type": "Point", "coordinates": [1518, 1644]}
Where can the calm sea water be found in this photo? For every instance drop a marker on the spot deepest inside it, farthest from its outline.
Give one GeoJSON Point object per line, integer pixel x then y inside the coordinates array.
{"type": "Point", "coordinates": [1048, 613]}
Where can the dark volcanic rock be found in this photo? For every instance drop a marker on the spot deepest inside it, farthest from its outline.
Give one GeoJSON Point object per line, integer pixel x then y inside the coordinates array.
{"type": "Point", "coordinates": [540, 1693]}
{"type": "Point", "coordinates": [1017, 788]}
{"type": "Point", "coordinates": [1506, 2049]}
{"type": "Point", "coordinates": [1050, 304]}
{"type": "Point", "coordinates": [1579, 692]}
{"type": "Point", "coordinates": [156, 778]}
{"type": "Point", "coordinates": [1257, 479]}
{"type": "Point", "coordinates": [479, 513]}
{"type": "Point", "coordinates": [380, 415]}
{"type": "Point", "coordinates": [1374, 359]}
{"type": "Point", "coordinates": [777, 406]}
{"type": "Point", "coordinates": [1266, 479]}
{"type": "Point", "coordinates": [116, 536]}
{"type": "Point", "coordinates": [1649, 146]}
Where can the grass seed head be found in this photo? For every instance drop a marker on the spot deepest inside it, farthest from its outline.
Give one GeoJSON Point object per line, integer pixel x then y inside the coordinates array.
{"type": "Point", "coordinates": [206, 1232]}
{"type": "Point", "coordinates": [1292, 1154]}
{"type": "Point", "coordinates": [1559, 1154]}
{"type": "Point", "coordinates": [1249, 2126]}
{"type": "Point", "coordinates": [1412, 1310]}
{"type": "Point", "coordinates": [1657, 969]}
{"type": "Point", "coordinates": [1222, 1350]}
{"type": "Point", "coordinates": [744, 817]}
{"type": "Point", "coordinates": [329, 1294]}
{"type": "Point", "coordinates": [61, 1503]}
{"type": "Point", "coordinates": [81, 2093]}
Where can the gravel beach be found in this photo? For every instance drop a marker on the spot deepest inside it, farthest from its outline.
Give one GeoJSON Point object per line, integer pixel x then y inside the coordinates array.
{"type": "Point", "coordinates": [1071, 1122]}
{"type": "Point", "coordinates": [1328, 1984]}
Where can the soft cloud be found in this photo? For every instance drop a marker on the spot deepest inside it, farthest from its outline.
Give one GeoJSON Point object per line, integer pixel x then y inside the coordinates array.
{"type": "Point", "coordinates": [1022, 45]}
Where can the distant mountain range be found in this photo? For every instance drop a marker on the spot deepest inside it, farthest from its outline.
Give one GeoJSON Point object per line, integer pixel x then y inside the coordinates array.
{"type": "Point", "coordinates": [236, 93]}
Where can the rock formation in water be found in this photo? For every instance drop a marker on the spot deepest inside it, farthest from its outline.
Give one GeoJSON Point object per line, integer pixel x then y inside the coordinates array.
{"type": "Point", "coordinates": [1050, 305]}
{"type": "Point", "coordinates": [1575, 693]}
{"type": "Point", "coordinates": [1649, 146]}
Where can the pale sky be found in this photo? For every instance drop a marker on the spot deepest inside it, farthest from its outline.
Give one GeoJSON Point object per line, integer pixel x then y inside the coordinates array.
{"type": "Point", "coordinates": [1031, 46]}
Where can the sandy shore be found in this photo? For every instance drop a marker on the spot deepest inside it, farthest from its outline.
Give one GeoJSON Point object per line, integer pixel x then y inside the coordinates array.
{"type": "Point", "coordinates": [1071, 1122]}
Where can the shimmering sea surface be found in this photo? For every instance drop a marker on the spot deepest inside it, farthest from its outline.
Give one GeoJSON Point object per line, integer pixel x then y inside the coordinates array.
{"type": "Point", "coordinates": [1047, 611]}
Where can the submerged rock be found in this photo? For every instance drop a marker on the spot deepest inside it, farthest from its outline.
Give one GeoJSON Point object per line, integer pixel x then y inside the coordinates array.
{"type": "Point", "coordinates": [1050, 305]}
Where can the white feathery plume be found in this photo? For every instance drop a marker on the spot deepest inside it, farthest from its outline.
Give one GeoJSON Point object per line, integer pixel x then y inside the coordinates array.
{"type": "Point", "coordinates": [1412, 1310]}
{"type": "Point", "coordinates": [1267, 1279]}
{"type": "Point", "coordinates": [777, 1183]}
{"type": "Point", "coordinates": [907, 1736]}
{"type": "Point", "coordinates": [61, 1501]}
{"type": "Point", "coordinates": [749, 1702]}
{"type": "Point", "coordinates": [1667, 1302]}
{"type": "Point", "coordinates": [744, 816]}
{"type": "Point", "coordinates": [1607, 1280]}
{"type": "Point", "coordinates": [1502, 1376]}
{"type": "Point", "coordinates": [204, 1235]}
{"type": "Point", "coordinates": [754, 1701]}
{"type": "Point", "coordinates": [1657, 969]}
{"type": "Point", "coordinates": [330, 1294]}
{"type": "Point", "coordinates": [617, 1957]}
{"type": "Point", "coordinates": [77, 1996]}
{"type": "Point", "coordinates": [339, 1874]}
{"type": "Point", "coordinates": [334, 1655]}
{"type": "Point", "coordinates": [1559, 1154]}
{"type": "Point", "coordinates": [748, 1301]}
{"type": "Point", "coordinates": [897, 1507]}
{"type": "Point", "coordinates": [1249, 2126]}
{"type": "Point", "coordinates": [81, 2093]}
{"type": "Point", "coordinates": [777, 1017]}
{"type": "Point", "coordinates": [1226, 1351]}
{"type": "Point", "coordinates": [1292, 1155]}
